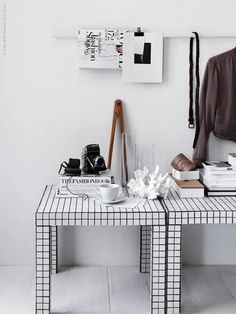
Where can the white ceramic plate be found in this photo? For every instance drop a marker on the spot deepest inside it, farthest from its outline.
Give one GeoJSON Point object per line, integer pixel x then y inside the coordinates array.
{"type": "Point", "coordinates": [119, 199]}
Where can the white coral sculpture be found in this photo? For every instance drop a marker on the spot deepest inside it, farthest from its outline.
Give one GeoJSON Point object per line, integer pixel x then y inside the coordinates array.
{"type": "Point", "coordinates": [150, 185]}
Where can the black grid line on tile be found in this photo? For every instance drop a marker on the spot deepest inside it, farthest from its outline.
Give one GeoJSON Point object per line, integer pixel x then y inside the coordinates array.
{"type": "Point", "coordinates": [145, 243]}
{"type": "Point", "coordinates": [73, 211]}
{"type": "Point", "coordinates": [53, 212]}
{"type": "Point", "coordinates": [158, 269]}
{"type": "Point", "coordinates": [54, 250]}
{"type": "Point", "coordinates": [207, 210]}
{"type": "Point", "coordinates": [43, 265]}
{"type": "Point", "coordinates": [174, 264]}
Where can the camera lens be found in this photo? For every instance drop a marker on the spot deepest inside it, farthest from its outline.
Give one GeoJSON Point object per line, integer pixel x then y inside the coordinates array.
{"type": "Point", "coordinates": [99, 162]}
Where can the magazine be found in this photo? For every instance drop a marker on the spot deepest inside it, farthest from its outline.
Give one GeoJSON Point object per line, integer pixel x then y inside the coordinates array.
{"type": "Point", "coordinates": [100, 49]}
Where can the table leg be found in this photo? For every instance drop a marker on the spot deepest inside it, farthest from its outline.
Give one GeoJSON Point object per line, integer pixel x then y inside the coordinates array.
{"type": "Point", "coordinates": [145, 243]}
{"type": "Point", "coordinates": [174, 265]}
{"type": "Point", "coordinates": [43, 280]}
{"type": "Point", "coordinates": [158, 269]}
{"type": "Point", "coordinates": [54, 250]}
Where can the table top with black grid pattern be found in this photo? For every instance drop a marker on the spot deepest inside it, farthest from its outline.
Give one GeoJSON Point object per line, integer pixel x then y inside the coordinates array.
{"type": "Point", "coordinates": [53, 211]}
{"type": "Point", "coordinates": [202, 210]}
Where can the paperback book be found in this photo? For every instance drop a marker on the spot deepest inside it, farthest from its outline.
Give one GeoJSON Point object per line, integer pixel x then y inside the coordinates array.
{"type": "Point", "coordinates": [218, 185]}
{"type": "Point", "coordinates": [227, 174]}
{"type": "Point", "coordinates": [219, 192]}
{"type": "Point", "coordinates": [217, 166]}
{"type": "Point", "coordinates": [219, 178]}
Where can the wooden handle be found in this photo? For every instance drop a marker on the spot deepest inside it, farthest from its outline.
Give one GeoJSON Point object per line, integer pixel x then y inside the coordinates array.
{"type": "Point", "coordinates": [122, 129]}
{"type": "Point", "coordinates": [125, 157]}
{"type": "Point", "coordinates": [118, 114]}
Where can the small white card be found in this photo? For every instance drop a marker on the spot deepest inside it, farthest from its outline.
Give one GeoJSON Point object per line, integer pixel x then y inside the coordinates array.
{"type": "Point", "coordinates": [130, 202]}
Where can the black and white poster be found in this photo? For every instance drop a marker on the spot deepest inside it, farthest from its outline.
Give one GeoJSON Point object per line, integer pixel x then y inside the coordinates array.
{"type": "Point", "coordinates": [100, 49]}
{"type": "Point", "coordinates": [143, 57]}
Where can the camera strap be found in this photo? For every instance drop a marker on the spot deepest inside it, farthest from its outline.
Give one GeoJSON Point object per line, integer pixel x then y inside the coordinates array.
{"type": "Point", "coordinates": [63, 165]}
{"type": "Point", "coordinates": [118, 115]}
{"type": "Point", "coordinates": [69, 170]}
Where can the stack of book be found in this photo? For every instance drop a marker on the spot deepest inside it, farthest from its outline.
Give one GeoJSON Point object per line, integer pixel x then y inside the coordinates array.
{"type": "Point", "coordinates": [186, 183]}
{"type": "Point", "coordinates": [70, 186]}
{"type": "Point", "coordinates": [232, 159]}
{"type": "Point", "coordinates": [219, 178]}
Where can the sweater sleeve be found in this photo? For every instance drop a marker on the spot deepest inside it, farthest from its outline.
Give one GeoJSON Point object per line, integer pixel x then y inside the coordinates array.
{"type": "Point", "coordinates": [207, 111]}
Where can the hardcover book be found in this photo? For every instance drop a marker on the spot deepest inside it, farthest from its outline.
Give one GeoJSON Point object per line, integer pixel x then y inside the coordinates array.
{"type": "Point", "coordinates": [185, 189]}
{"type": "Point", "coordinates": [232, 159]}
{"type": "Point", "coordinates": [84, 184]}
{"type": "Point", "coordinates": [185, 175]}
{"type": "Point", "coordinates": [80, 181]}
{"type": "Point", "coordinates": [69, 192]}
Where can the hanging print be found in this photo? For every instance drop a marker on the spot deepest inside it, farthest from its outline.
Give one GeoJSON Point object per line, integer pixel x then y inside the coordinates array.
{"type": "Point", "coordinates": [143, 57]}
{"type": "Point", "coordinates": [100, 49]}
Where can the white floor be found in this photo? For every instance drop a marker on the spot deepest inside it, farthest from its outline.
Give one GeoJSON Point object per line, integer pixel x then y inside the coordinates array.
{"type": "Point", "coordinates": [117, 290]}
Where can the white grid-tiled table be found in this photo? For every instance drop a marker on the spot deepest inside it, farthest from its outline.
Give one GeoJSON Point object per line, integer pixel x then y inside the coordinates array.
{"type": "Point", "coordinates": [53, 212]}
{"type": "Point", "coordinates": [207, 210]}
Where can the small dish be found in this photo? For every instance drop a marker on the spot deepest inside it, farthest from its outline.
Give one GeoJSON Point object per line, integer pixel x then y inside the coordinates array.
{"type": "Point", "coordinates": [120, 198]}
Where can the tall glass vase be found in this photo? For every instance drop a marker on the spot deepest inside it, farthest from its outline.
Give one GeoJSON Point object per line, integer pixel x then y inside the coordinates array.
{"type": "Point", "coordinates": [144, 156]}
{"type": "Point", "coordinates": [127, 157]}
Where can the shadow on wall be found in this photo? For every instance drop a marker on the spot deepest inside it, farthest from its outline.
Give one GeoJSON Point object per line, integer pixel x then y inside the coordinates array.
{"type": "Point", "coordinates": [193, 237]}
{"type": "Point", "coordinates": [67, 245]}
{"type": "Point", "coordinates": [99, 245]}
{"type": "Point", "coordinates": [210, 244]}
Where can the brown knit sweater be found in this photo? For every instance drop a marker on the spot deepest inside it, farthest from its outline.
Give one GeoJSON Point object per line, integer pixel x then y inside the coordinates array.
{"type": "Point", "coordinates": [217, 102]}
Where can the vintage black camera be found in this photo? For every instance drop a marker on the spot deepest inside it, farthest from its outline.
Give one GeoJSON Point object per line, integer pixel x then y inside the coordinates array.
{"type": "Point", "coordinates": [92, 161]}
{"type": "Point", "coordinates": [71, 168]}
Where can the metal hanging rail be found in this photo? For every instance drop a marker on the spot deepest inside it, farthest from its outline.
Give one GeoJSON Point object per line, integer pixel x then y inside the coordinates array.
{"type": "Point", "coordinates": [72, 36]}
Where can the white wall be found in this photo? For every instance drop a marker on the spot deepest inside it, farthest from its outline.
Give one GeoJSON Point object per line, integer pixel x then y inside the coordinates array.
{"type": "Point", "coordinates": [49, 110]}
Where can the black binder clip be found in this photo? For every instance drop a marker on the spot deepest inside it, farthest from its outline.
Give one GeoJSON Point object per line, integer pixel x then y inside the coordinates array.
{"type": "Point", "coordinates": [139, 32]}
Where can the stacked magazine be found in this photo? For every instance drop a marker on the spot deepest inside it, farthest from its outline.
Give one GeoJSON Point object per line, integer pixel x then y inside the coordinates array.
{"type": "Point", "coordinates": [72, 186]}
{"type": "Point", "coordinates": [219, 178]}
{"type": "Point", "coordinates": [186, 183]}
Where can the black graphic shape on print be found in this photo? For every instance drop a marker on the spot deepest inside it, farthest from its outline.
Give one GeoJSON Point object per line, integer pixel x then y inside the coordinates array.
{"type": "Point", "coordinates": [145, 58]}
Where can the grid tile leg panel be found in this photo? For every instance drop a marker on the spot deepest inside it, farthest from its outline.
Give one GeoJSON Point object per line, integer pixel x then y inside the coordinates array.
{"type": "Point", "coordinates": [158, 270]}
{"type": "Point", "coordinates": [174, 264]}
{"type": "Point", "coordinates": [145, 242]}
{"type": "Point", "coordinates": [54, 250]}
{"type": "Point", "coordinates": [43, 263]}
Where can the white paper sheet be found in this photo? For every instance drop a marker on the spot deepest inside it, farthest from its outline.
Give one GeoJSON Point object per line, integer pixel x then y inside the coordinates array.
{"type": "Point", "coordinates": [131, 202]}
